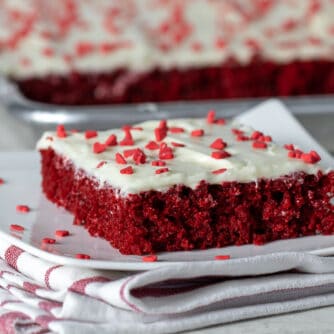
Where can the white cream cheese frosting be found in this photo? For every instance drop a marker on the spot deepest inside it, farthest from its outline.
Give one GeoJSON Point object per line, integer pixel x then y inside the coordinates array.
{"type": "Point", "coordinates": [41, 37]}
{"type": "Point", "coordinates": [193, 159]}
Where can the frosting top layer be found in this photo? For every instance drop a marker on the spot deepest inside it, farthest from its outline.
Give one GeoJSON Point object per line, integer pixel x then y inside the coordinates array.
{"type": "Point", "coordinates": [40, 37]}
{"type": "Point", "coordinates": [156, 155]}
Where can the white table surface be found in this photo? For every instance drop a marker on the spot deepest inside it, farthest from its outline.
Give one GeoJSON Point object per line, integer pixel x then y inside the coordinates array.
{"type": "Point", "coordinates": [17, 136]}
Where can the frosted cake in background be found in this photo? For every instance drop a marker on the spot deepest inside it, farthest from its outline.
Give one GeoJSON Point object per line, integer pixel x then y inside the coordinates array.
{"type": "Point", "coordinates": [108, 51]}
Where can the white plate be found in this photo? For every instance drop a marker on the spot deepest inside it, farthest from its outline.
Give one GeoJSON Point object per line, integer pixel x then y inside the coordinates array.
{"type": "Point", "coordinates": [21, 172]}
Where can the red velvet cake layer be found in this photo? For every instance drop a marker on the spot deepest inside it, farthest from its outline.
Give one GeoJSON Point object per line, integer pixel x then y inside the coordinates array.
{"type": "Point", "coordinates": [258, 79]}
{"type": "Point", "coordinates": [182, 218]}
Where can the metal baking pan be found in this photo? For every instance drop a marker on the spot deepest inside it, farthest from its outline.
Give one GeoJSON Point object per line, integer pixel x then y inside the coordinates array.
{"type": "Point", "coordinates": [316, 113]}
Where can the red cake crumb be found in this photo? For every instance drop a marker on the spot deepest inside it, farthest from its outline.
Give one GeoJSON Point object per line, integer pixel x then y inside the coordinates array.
{"type": "Point", "coordinates": [182, 218]}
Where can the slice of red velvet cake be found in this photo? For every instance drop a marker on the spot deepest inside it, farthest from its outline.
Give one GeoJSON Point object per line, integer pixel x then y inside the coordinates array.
{"type": "Point", "coordinates": [186, 184]}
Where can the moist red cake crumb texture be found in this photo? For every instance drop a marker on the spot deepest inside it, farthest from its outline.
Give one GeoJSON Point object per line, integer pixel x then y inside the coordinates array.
{"type": "Point", "coordinates": [182, 218]}
{"type": "Point", "coordinates": [257, 79]}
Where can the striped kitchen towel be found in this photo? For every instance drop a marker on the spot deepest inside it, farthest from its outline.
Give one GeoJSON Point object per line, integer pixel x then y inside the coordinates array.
{"type": "Point", "coordinates": [38, 296]}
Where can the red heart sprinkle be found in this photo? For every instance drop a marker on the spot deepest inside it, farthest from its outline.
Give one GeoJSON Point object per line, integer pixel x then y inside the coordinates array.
{"type": "Point", "coordinates": [120, 159]}
{"type": "Point", "coordinates": [22, 208]}
{"type": "Point", "coordinates": [291, 154]}
{"type": "Point", "coordinates": [315, 155]}
{"type": "Point", "coordinates": [222, 257]}
{"type": "Point", "coordinates": [62, 233]}
{"type": "Point", "coordinates": [82, 256]}
{"type": "Point", "coordinates": [311, 158]}
{"type": "Point", "coordinates": [128, 140]}
{"type": "Point", "coordinates": [259, 145]}
{"type": "Point", "coordinates": [61, 132]}
{"type": "Point", "coordinates": [211, 116]}
{"type": "Point", "coordinates": [90, 134]}
{"type": "Point", "coordinates": [163, 124]}
{"type": "Point", "coordinates": [237, 132]}
{"type": "Point", "coordinates": [298, 153]}
{"type": "Point", "coordinates": [126, 127]}
{"type": "Point", "coordinates": [99, 147]}
{"type": "Point", "coordinates": [219, 171]}
{"type": "Point", "coordinates": [218, 144]}
{"type": "Point", "coordinates": [289, 147]}
{"type": "Point", "coordinates": [111, 140]}
{"type": "Point", "coordinates": [48, 241]}
{"type": "Point", "coordinates": [161, 170]}
{"type": "Point", "coordinates": [220, 154]}
{"type": "Point", "coordinates": [158, 163]}
{"type": "Point", "coordinates": [160, 134]}
{"type": "Point", "coordinates": [139, 157]}
{"type": "Point", "coordinates": [129, 153]}
{"type": "Point", "coordinates": [175, 129]}
{"type": "Point", "coordinates": [256, 135]}
{"type": "Point", "coordinates": [177, 144]}
{"type": "Point", "coordinates": [127, 170]}
{"type": "Point", "coordinates": [166, 153]}
{"type": "Point", "coordinates": [17, 228]}
{"type": "Point", "coordinates": [149, 258]}
{"type": "Point", "coordinates": [152, 145]}
{"type": "Point", "coordinates": [84, 48]}
{"type": "Point", "coordinates": [242, 138]}
{"type": "Point", "coordinates": [197, 133]}
{"type": "Point", "coordinates": [100, 164]}
{"type": "Point", "coordinates": [267, 139]}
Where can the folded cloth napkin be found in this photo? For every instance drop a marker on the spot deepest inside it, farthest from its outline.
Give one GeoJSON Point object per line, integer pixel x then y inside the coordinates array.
{"type": "Point", "coordinates": [38, 296]}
